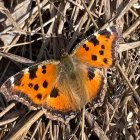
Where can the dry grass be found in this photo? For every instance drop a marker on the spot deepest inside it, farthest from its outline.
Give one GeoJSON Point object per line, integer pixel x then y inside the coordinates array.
{"type": "Point", "coordinates": [33, 30]}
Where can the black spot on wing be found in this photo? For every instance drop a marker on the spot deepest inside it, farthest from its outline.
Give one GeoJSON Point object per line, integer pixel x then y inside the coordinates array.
{"type": "Point", "coordinates": [17, 78]}
{"type": "Point", "coordinates": [39, 96]}
{"type": "Point", "coordinates": [101, 52]}
{"type": "Point", "coordinates": [105, 33]}
{"type": "Point", "coordinates": [103, 46]}
{"type": "Point", "coordinates": [30, 85]}
{"type": "Point", "coordinates": [105, 60]}
{"type": "Point", "coordinates": [91, 74]}
{"type": "Point", "coordinates": [94, 57]}
{"type": "Point", "coordinates": [54, 93]}
{"type": "Point", "coordinates": [44, 71]}
{"type": "Point", "coordinates": [94, 40]}
{"type": "Point", "coordinates": [43, 67]}
{"type": "Point", "coordinates": [32, 73]}
{"type": "Point", "coordinates": [36, 87]}
{"type": "Point", "coordinates": [85, 47]}
{"type": "Point", "coordinates": [45, 84]}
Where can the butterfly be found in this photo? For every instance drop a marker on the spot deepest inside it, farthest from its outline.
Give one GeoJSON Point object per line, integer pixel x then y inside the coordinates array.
{"type": "Point", "coordinates": [62, 88]}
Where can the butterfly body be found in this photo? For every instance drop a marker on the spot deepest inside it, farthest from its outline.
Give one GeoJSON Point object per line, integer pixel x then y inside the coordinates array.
{"type": "Point", "coordinates": [72, 76]}
{"type": "Point", "coordinates": [63, 87]}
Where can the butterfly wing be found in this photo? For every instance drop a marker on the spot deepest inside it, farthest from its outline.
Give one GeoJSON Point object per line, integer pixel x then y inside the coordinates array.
{"type": "Point", "coordinates": [32, 85]}
{"type": "Point", "coordinates": [99, 49]}
{"type": "Point", "coordinates": [60, 104]}
{"type": "Point", "coordinates": [42, 86]}
{"type": "Point", "coordinates": [95, 83]}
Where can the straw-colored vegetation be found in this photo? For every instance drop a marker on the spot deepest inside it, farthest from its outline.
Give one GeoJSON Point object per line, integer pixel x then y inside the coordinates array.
{"type": "Point", "coordinates": [35, 30]}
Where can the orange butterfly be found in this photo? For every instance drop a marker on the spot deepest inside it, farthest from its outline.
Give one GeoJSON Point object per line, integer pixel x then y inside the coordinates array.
{"type": "Point", "coordinates": [64, 87]}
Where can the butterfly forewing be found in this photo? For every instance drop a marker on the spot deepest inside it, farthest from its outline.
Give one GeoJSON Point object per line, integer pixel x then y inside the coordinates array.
{"type": "Point", "coordinates": [32, 85]}
{"type": "Point", "coordinates": [99, 49]}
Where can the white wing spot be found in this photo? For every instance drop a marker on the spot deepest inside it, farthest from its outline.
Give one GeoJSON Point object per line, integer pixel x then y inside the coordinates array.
{"type": "Point", "coordinates": [26, 70]}
{"type": "Point", "coordinates": [12, 79]}
{"type": "Point", "coordinates": [96, 34]}
{"type": "Point", "coordinates": [39, 66]}
{"type": "Point", "coordinates": [108, 29]}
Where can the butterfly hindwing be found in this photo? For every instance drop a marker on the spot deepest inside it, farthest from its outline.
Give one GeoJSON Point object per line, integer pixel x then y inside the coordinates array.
{"type": "Point", "coordinates": [60, 104]}
{"type": "Point", "coordinates": [32, 85]}
{"type": "Point", "coordinates": [95, 84]}
{"type": "Point", "coordinates": [99, 49]}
